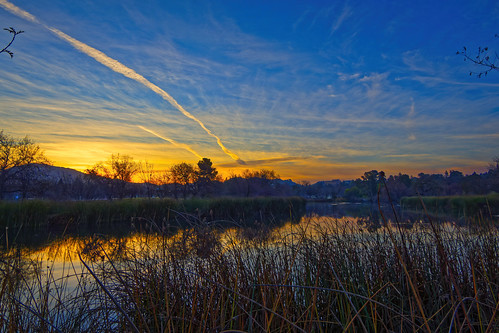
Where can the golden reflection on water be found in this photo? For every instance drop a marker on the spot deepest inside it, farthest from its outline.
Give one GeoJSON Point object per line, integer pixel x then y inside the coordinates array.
{"type": "Point", "coordinates": [202, 241]}
{"type": "Point", "coordinates": [60, 260]}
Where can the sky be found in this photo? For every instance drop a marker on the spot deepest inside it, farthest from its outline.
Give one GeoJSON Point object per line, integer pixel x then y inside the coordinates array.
{"type": "Point", "coordinates": [315, 90]}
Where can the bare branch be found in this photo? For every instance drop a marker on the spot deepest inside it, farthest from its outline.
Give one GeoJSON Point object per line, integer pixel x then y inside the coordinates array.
{"type": "Point", "coordinates": [14, 34]}
{"type": "Point", "coordinates": [484, 58]}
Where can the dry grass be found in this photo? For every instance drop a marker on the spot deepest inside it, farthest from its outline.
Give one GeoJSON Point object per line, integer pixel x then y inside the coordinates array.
{"type": "Point", "coordinates": [320, 275]}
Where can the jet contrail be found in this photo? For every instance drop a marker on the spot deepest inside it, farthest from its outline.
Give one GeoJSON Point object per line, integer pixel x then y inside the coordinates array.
{"type": "Point", "coordinates": [173, 142]}
{"type": "Point", "coordinates": [117, 67]}
{"type": "Point", "coordinates": [18, 11]}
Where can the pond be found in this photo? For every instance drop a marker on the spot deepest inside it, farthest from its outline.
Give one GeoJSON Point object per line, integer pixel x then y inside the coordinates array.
{"type": "Point", "coordinates": [122, 274]}
{"type": "Point", "coordinates": [54, 248]}
{"type": "Point", "coordinates": [37, 238]}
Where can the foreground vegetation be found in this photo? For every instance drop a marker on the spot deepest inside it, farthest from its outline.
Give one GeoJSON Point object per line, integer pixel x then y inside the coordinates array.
{"type": "Point", "coordinates": [242, 211]}
{"type": "Point", "coordinates": [320, 275]}
{"type": "Point", "coordinates": [459, 205]}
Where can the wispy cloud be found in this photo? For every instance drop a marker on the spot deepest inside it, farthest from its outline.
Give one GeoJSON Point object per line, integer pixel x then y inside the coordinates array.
{"type": "Point", "coordinates": [408, 155]}
{"type": "Point", "coordinates": [410, 120]}
{"type": "Point", "coordinates": [130, 73]}
{"type": "Point", "coordinates": [346, 12]}
{"type": "Point", "coordinates": [265, 161]}
{"type": "Point", "coordinates": [477, 136]}
{"type": "Point", "coordinates": [118, 67]}
{"type": "Point", "coordinates": [173, 142]}
{"type": "Point", "coordinates": [18, 11]}
{"type": "Point", "coordinates": [347, 76]}
{"type": "Point", "coordinates": [374, 83]}
{"type": "Point", "coordinates": [334, 83]}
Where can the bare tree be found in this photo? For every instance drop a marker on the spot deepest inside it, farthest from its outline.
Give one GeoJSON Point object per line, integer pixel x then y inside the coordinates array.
{"type": "Point", "coordinates": [258, 182]}
{"type": "Point", "coordinates": [15, 157]}
{"type": "Point", "coordinates": [485, 58]}
{"type": "Point", "coordinates": [14, 34]}
{"type": "Point", "coordinates": [163, 179]}
{"type": "Point", "coordinates": [182, 175]}
{"type": "Point", "coordinates": [148, 176]}
{"type": "Point", "coordinates": [267, 174]}
{"type": "Point", "coordinates": [122, 167]}
{"type": "Point", "coordinates": [117, 172]}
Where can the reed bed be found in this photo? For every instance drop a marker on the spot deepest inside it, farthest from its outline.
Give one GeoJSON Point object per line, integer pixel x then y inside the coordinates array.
{"type": "Point", "coordinates": [41, 213]}
{"type": "Point", "coordinates": [461, 206]}
{"type": "Point", "coordinates": [320, 275]}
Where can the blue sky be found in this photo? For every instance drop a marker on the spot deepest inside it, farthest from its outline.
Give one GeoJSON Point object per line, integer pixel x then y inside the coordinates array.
{"type": "Point", "coordinates": [313, 89]}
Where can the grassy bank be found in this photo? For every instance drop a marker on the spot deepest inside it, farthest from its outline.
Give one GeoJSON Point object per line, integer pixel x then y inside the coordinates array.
{"type": "Point", "coordinates": [483, 206]}
{"type": "Point", "coordinates": [243, 211]}
{"type": "Point", "coordinates": [318, 276]}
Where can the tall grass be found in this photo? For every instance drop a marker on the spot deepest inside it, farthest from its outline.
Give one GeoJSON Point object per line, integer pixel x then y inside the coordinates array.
{"type": "Point", "coordinates": [319, 275]}
{"type": "Point", "coordinates": [99, 212]}
{"type": "Point", "coordinates": [480, 206]}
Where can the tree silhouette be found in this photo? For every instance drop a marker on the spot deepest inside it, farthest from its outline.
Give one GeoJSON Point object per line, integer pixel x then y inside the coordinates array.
{"type": "Point", "coordinates": [148, 177]}
{"type": "Point", "coordinates": [117, 171]}
{"type": "Point", "coordinates": [370, 183]}
{"type": "Point", "coordinates": [14, 34]}
{"type": "Point", "coordinates": [15, 156]}
{"type": "Point", "coordinates": [183, 175]}
{"type": "Point", "coordinates": [205, 175]}
{"type": "Point", "coordinates": [258, 182]}
{"type": "Point", "coordinates": [206, 172]}
{"type": "Point", "coordinates": [484, 58]}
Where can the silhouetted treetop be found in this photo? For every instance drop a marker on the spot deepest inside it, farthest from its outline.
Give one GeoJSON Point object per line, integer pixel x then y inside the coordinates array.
{"type": "Point", "coordinates": [206, 172]}
{"type": "Point", "coordinates": [15, 155]}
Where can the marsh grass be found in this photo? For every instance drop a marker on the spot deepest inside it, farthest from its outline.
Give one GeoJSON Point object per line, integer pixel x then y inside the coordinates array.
{"type": "Point", "coordinates": [245, 211]}
{"type": "Point", "coordinates": [462, 206]}
{"type": "Point", "coordinates": [322, 274]}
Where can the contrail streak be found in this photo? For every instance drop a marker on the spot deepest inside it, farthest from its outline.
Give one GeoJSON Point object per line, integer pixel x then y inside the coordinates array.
{"type": "Point", "coordinates": [117, 67]}
{"type": "Point", "coordinates": [173, 142]}
{"type": "Point", "coordinates": [18, 11]}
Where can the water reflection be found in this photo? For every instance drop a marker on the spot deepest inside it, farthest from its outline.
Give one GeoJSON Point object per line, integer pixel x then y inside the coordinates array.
{"type": "Point", "coordinates": [61, 258]}
{"type": "Point", "coordinates": [59, 250]}
{"type": "Point", "coordinates": [129, 258]}
{"type": "Point", "coordinates": [114, 239]}
{"type": "Point", "coordinates": [199, 241]}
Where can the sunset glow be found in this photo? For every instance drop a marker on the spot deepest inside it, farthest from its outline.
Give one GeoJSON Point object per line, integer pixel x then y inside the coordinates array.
{"type": "Point", "coordinates": [314, 90]}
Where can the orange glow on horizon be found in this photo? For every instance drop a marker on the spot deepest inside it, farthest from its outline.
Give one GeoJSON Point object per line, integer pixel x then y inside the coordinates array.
{"type": "Point", "coordinates": [81, 155]}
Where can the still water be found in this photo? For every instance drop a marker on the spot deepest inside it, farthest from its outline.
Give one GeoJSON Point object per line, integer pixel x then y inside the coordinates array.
{"type": "Point", "coordinates": [56, 242]}
{"type": "Point", "coordinates": [49, 240]}
{"type": "Point", "coordinates": [59, 264]}
{"type": "Point", "coordinates": [63, 251]}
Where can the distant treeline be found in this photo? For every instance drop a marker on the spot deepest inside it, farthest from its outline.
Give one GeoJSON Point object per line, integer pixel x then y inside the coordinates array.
{"type": "Point", "coordinates": [26, 173]}
{"type": "Point", "coordinates": [49, 182]}
{"type": "Point", "coordinates": [450, 183]}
